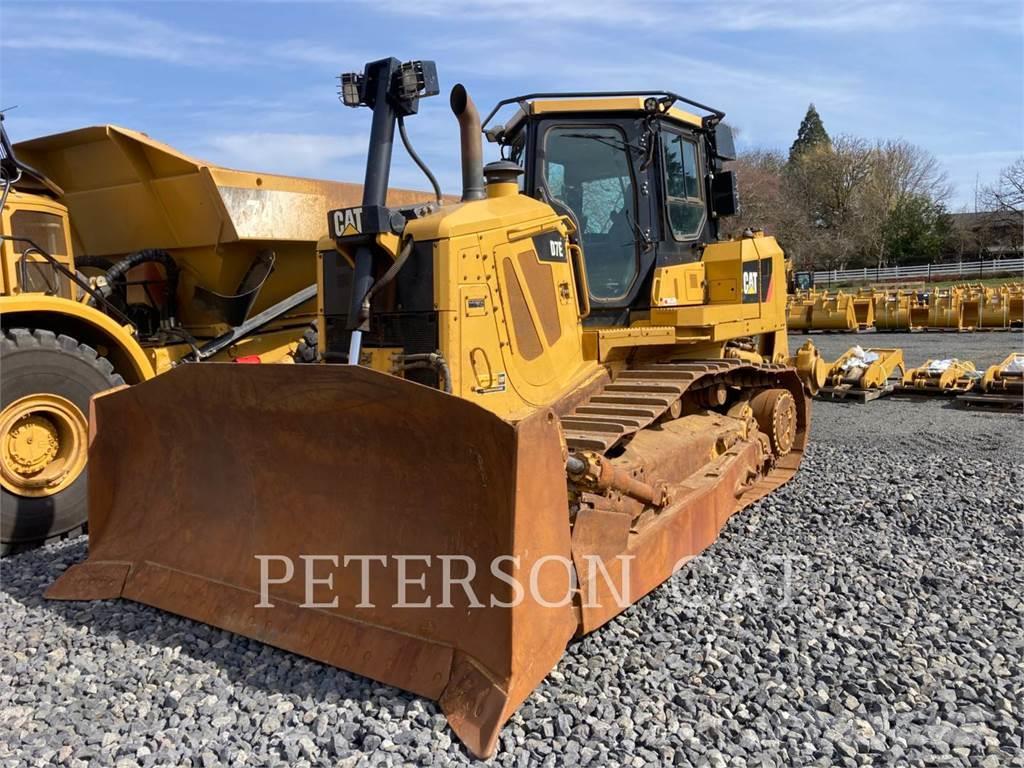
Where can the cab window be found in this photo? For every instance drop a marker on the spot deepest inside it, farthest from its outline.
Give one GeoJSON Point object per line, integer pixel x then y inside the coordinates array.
{"type": "Point", "coordinates": [684, 192]}
{"type": "Point", "coordinates": [46, 230]}
{"type": "Point", "coordinates": [587, 168]}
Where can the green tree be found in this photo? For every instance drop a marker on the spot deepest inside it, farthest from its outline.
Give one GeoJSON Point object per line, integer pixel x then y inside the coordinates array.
{"type": "Point", "coordinates": [812, 134]}
{"type": "Point", "coordinates": [916, 230]}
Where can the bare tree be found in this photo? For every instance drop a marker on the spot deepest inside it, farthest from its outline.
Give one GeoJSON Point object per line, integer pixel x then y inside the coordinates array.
{"type": "Point", "coordinates": [1006, 196]}
{"type": "Point", "coordinates": [767, 203]}
{"type": "Point", "coordinates": [1001, 223]}
{"type": "Point", "coordinates": [900, 172]}
{"type": "Point", "coordinates": [836, 204]}
{"type": "Point", "coordinates": [829, 181]}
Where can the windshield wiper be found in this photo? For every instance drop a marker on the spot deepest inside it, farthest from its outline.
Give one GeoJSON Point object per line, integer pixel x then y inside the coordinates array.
{"type": "Point", "coordinates": [606, 140]}
{"type": "Point", "coordinates": [641, 234]}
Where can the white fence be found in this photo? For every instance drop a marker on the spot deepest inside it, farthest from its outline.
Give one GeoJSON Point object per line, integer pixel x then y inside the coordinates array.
{"type": "Point", "coordinates": [966, 270]}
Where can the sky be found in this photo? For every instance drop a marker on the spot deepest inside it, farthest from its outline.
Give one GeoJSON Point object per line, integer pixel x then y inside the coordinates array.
{"type": "Point", "coordinates": [253, 85]}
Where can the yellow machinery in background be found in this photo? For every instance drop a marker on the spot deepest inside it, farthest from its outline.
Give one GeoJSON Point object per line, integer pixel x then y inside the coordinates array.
{"type": "Point", "coordinates": [945, 309]}
{"type": "Point", "coordinates": [863, 374]}
{"type": "Point", "coordinates": [119, 258]}
{"type": "Point", "coordinates": [1001, 306]}
{"type": "Point", "coordinates": [893, 311]}
{"type": "Point", "coordinates": [1001, 386]}
{"type": "Point", "coordinates": [972, 302]}
{"type": "Point", "coordinates": [551, 386]}
{"type": "Point", "coordinates": [864, 308]}
{"type": "Point", "coordinates": [960, 308]}
{"type": "Point", "coordinates": [1014, 297]}
{"type": "Point", "coordinates": [799, 310]}
{"type": "Point", "coordinates": [941, 377]}
{"type": "Point", "coordinates": [833, 312]}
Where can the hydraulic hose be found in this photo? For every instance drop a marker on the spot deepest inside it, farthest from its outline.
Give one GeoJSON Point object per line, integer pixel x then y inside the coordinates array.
{"type": "Point", "coordinates": [435, 361]}
{"type": "Point", "coordinates": [387, 277]}
{"type": "Point", "coordinates": [417, 159]}
{"type": "Point", "coordinates": [117, 272]}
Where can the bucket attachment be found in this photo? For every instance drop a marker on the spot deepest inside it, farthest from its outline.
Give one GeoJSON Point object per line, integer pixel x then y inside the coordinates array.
{"type": "Point", "coordinates": [833, 312]}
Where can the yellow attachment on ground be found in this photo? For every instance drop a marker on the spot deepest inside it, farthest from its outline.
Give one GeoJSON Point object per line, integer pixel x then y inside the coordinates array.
{"type": "Point", "coordinates": [1001, 306]}
{"type": "Point", "coordinates": [860, 368]}
{"type": "Point", "coordinates": [864, 311]}
{"type": "Point", "coordinates": [1005, 377]}
{"type": "Point", "coordinates": [1014, 296]}
{"type": "Point", "coordinates": [972, 302]}
{"type": "Point", "coordinates": [941, 376]}
{"type": "Point", "coordinates": [1001, 386]}
{"type": "Point", "coordinates": [892, 311]}
{"type": "Point", "coordinates": [834, 312]}
{"type": "Point", "coordinates": [799, 308]}
{"type": "Point", "coordinates": [945, 308]}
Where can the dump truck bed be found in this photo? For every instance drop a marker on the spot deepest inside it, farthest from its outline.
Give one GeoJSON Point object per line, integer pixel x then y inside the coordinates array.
{"type": "Point", "coordinates": [163, 198]}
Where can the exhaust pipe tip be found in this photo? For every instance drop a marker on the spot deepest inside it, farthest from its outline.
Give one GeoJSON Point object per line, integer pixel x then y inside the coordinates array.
{"type": "Point", "coordinates": [458, 99]}
{"type": "Point", "coordinates": [471, 141]}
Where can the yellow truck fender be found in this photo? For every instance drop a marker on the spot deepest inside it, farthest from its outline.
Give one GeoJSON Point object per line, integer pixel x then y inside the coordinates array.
{"type": "Point", "coordinates": [83, 323]}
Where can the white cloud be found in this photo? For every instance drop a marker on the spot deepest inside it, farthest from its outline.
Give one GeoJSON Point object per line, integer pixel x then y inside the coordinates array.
{"type": "Point", "coordinates": [296, 154]}
{"type": "Point", "coordinates": [41, 27]}
{"type": "Point", "coordinates": [340, 58]}
{"type": "Point", "coordinates": [730, 15]}
{"type": "Point", "coordinates": [127, 35]}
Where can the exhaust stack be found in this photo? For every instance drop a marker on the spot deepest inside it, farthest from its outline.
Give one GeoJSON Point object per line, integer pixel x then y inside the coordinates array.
{"type": "Point", "coordinates": [471, 142]}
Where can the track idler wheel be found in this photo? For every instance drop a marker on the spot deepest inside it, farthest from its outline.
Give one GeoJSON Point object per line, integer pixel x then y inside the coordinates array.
{"type": "Point", "coordinates": [775, 413]}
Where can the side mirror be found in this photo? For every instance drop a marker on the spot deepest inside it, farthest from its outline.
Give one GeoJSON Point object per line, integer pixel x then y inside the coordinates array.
{"type": "Point", "coordinates": [725, 199]}
{"type": "Point", "coordinates": [725, 143]}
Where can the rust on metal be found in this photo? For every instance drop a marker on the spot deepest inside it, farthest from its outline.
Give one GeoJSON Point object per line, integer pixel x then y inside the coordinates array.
{"type": "Point", "coordinates": [293, 467]}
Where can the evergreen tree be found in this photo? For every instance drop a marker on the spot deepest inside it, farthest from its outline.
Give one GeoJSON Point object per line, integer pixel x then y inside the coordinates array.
{"type": "Point", "coordinates": [917, 230]}
{"type": "Point", "coordinates": [812, 133]}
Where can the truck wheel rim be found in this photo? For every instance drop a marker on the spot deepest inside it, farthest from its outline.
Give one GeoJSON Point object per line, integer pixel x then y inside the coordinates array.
{"type": "Point", "coordinates": [43, 445]}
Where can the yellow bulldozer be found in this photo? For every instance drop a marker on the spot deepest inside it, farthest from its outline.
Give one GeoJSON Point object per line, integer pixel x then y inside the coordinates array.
{"type": "Point", "coordinates": [535, 404]}
{"type": "Point", "coordinates": [121, 257]}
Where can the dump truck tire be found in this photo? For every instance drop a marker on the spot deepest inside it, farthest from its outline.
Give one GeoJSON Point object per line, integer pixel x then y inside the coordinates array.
{"type": "Point", "coordinates": [44, 401]}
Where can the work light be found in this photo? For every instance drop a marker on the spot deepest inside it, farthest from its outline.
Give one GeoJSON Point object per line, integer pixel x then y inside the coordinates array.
{"type": "Point", "coordinates": [351, 90]}
{"type": "Point", "coordinates": [417, 79]}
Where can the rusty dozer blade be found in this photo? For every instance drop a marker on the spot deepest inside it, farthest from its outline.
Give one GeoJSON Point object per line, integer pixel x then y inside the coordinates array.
{"type": "Point", "coordinates": [195, 473]}
{"type": "Point", "coordinates": [336, 512]}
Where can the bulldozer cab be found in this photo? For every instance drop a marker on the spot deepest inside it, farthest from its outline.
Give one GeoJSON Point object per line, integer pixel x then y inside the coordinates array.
{"type": "Point", "coordinates": [641, 178]}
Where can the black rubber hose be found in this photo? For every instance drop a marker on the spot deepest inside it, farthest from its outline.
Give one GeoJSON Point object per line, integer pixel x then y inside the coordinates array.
{"type": "Point", "coordinates": [117, 272]}
{"type": "Point", "coordinates": [94, 262]}
{"type": "Point", "coordinates": [434, 361]}
{"type": "Point", "coordinates": [417, 159]}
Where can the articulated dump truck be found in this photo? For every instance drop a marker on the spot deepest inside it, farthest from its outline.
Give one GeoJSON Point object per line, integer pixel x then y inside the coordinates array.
{"type": "Point", "coordinates": [536, 404]}
{"type": "Point", "coordinates": [121, 258]}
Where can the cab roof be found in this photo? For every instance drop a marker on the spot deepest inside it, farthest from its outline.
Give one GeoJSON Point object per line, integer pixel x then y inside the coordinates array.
{"type": "Point", "coordinates": [606, 104]}
{"type": "Point", "coordinates": [657, 102]}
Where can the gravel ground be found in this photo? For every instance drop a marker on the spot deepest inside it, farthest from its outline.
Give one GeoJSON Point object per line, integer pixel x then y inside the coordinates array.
{"type": "Point", "coordinates": [869, 612]}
